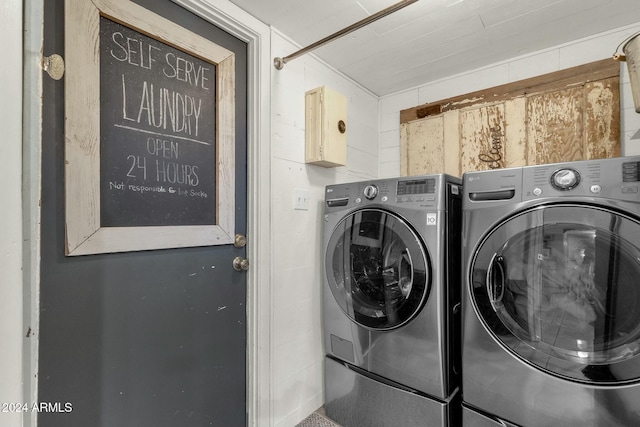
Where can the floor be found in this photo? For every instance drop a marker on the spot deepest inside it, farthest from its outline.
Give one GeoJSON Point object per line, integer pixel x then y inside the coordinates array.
{"type": "Point", "coordinates": [317, 419]}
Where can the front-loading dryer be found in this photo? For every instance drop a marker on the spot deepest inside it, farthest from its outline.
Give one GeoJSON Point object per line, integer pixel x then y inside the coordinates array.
{"type": "Point", "coordinates": [392, 301]}
{"type": "Point", "coordinates": [551, 302]}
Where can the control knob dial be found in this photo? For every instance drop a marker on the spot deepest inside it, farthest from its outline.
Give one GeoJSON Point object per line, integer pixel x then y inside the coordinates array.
{"type": "Point", "coordinates": [371, 191]}
{"type": "Point", "coordinates": [565, 179]}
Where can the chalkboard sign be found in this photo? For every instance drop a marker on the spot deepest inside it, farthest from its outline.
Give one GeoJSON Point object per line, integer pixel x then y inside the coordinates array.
{"type": "Point", "coordinates": [157, 132]}
{"type": "Point", "coordinates": [149, 132]}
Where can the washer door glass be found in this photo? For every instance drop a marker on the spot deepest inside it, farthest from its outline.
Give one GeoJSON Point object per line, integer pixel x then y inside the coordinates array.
{"type": "Point", "coordinates": [377, 269]}
{"type": "Point", "coordinates": [559, 286]}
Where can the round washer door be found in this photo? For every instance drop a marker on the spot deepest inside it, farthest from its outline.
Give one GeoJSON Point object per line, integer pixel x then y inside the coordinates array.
{"type": "Point", "coordinates": [377, 269]}
{"type": "Point", "coordinates": [559, 287]}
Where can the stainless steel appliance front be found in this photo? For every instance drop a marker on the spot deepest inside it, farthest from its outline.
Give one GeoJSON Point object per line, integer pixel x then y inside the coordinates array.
{"type": "Point", "coordinates": [552, 301]}
{"type": "Point", "coordinates": [391, 296]}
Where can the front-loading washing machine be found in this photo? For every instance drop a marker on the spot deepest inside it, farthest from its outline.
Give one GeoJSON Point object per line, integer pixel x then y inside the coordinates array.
{"type": "Point", "coordinates": [551, 302]}
{"type": "Point", "coordinates": [392, 301]}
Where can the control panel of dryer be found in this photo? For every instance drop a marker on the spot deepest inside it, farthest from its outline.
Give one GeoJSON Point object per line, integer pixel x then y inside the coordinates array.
{"type": "Point", "coordinates": [416, 192]}
{"type": "Point", "coordinates": [617, 178]}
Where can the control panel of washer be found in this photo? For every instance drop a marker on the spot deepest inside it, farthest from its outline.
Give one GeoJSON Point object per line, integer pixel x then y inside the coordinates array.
{"type": "Point", "coordinates": [400, 191]}
{"type": "Point", "coordinates": [616, 178]}
{"type": "Point", "coordinates": [418, 192]}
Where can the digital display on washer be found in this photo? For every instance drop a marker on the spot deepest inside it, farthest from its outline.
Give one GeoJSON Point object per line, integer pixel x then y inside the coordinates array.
{"type": "Point", "coordinates": [631, 172]}
{"type": "Point", "coordinates": [417, 186]}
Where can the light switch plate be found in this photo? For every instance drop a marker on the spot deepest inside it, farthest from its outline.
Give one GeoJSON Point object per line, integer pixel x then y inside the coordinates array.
{"type": "Point", "coordinates": [301, 199]}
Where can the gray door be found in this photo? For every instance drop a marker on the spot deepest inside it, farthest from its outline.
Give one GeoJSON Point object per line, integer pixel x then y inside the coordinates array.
{"type": "Point", "coordinates": [148, 338]}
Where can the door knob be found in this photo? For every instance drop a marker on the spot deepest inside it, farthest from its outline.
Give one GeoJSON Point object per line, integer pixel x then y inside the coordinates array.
{"type": "Point", "coordinates": [240, 264]}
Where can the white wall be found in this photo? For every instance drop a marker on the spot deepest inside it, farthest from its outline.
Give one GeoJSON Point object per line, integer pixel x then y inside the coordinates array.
{"type": "Point", "coordinates": [547, 61]}
{"type": "Point", "coordinates": [296, 343]}
{"type": "Point", "coordinates": [11, 210]}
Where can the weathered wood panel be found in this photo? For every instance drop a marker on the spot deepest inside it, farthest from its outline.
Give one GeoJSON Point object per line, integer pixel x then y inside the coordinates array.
{"type": "Point", "coordinates": [544, 121]}
{"type": "Point", "coordinates": [431, 145]}
{"type": "Point", "coordinates": [602, 119]}
{"type": "Point", "coordinates": [594, 71]}
{"type": "Point", "coordinates": [468, 138]}
{"type": "Point", "coordinates": [555, 126]}
{"type": "Point", "coordinates": [482, 138]}
{"type": "Point", "coordinates": [452, 163]}
{"type": "Point", "coordinates": [422, 144]}
{"type": "Point", "coordinates": [515, 112]}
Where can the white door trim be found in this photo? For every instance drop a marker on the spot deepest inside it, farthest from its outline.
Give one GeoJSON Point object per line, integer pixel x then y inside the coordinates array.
{"type": "Point", "coordinates": [257, 35]}
{"type": "Point", "coordinates": [31, 190]}
{"type": "Point", "coordinates": [11, 258]}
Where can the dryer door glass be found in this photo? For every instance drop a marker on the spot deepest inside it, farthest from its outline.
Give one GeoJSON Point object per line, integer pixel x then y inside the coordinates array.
{"type": "Point", "coordinates": [377, 269]}
{"type": "Point", "coordinates": [559, 286]}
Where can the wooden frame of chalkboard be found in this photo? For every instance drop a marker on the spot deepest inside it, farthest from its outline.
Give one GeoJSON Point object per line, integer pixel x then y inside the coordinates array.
{"type": "Point", "coordinates": [149, 158]}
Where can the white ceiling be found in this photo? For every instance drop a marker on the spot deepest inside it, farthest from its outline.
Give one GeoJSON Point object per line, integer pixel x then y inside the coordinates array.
{"type": "Point", "coordinates": [431, 39]}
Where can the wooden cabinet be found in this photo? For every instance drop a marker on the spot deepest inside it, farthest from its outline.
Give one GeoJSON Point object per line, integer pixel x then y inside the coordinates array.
{"type": "Point", "coordinates": [565, 116]}
{"type": "Point", "coordinates": [325, 127]}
